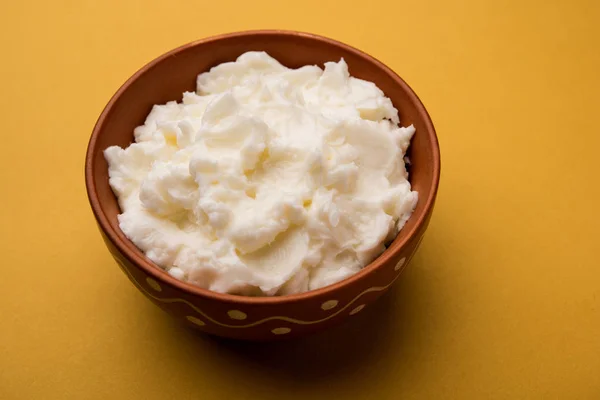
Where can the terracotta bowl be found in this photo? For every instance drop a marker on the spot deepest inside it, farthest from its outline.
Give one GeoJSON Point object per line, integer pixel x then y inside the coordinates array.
{"type": "Point", "coordinates": [256, 318]}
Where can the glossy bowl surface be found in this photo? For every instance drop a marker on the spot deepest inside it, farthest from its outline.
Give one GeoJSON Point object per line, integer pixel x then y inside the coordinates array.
{"type": "Point", "coordinates": [256, 318]}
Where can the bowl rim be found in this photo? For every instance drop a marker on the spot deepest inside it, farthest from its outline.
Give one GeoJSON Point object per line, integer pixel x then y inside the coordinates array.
{"type": "Point", "coordinates": [137, 257]}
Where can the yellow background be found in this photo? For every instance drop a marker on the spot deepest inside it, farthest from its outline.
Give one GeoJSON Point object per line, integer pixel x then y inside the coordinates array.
{"type": "Point", "coordinates": [502, 301]}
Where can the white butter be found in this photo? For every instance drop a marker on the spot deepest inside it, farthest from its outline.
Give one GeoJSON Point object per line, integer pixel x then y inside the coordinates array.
{"type": "Point", "coordinates": [268, 180]}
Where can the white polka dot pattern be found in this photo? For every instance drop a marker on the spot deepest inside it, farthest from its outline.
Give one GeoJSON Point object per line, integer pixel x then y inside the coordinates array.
{"type": "Point", "coordinates": [357, 309]}
{"type": "Point", "coordinates": [195, 320]}
{"type": "Point", "coordinates": [400, 264]}
{"type": "Point", "coordinates": [329, 304]}
{"type": "Point", "coordinates": [281, 331]}
{"type": "Point", "coordinates": [153, 284]}
{"type": "Point", "coordinates": [240, 315]}
{"type": "Point", "coordinates": [237, 314]}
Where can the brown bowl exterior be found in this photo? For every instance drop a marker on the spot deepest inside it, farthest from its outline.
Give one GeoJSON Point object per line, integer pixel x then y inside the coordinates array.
{"type": "Point", "coordinates": [262, 318]}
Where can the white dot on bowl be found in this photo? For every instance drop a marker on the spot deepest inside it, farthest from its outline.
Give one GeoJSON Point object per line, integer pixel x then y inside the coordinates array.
{"type": "Point", "coordinates": [195, 320]}
{"type": "Point", "coordinates": [329, 304]}
{"type": "Point", "coordinates": [400, 264]}
{"type": "Point", "coordinates": [237, 314]}
{"type": "Point", "coordinates": [281, 331]}
{"type": "Point", "coordinates": [357, 309]}
{"type": "Point", "coordinates": [153, 284]}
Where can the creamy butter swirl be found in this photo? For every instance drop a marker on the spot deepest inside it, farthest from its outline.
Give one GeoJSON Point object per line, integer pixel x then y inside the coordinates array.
{"type": "Point", "coordinates": [267, 180]}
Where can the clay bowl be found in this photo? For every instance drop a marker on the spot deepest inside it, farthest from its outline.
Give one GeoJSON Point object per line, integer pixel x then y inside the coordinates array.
{"type": "Point", "coordinates": [256, 318]}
